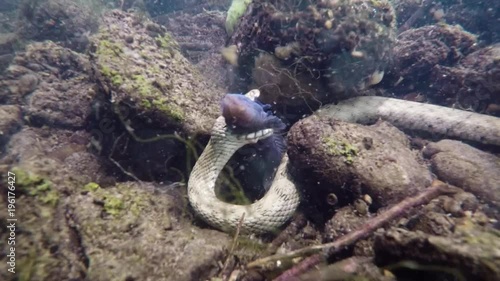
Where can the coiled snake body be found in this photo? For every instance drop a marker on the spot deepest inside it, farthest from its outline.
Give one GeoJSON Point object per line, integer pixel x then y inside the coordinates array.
{"type": "Point", "coordinates": [280, 202]}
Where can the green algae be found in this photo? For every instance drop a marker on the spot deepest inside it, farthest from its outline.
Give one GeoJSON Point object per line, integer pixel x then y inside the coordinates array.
{"type": "Point", "coordinates": [36, 186]}
{"type": "Point", "coordinates": [171, 109]}
{"type": "Point", "coordinates": [143, 86]}
{"type": "Point", "coordinates": [109, 49]}
{"type": "Point", "coordinates": [344, 149]}
{"type": "Point", "coordinates": [113, 75]}
{"type": "Point", "coordinates": [91, 186]}
{"type": "Point", "coordinates": [146, 104]}
{"type": "Point", "coordinates": [234, 13]}
{"type": "Point", "coordinates": [167, 42]}
{"type": "Point", "coordinates": [113, 205]}
{"type": "Point", "coordinates": [119, 201]}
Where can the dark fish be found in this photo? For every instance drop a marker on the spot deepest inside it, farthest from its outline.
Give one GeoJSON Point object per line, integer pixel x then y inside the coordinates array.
{"type": "Point", "coordinates": [242, 115]}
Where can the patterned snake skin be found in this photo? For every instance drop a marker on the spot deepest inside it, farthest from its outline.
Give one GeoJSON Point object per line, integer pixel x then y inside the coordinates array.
{"type": "Point", "coordinates": [280, 202]}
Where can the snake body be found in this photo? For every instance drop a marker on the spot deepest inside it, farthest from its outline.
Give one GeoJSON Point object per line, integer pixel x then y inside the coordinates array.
{"type": "Point", "coordinates": [280, 202]}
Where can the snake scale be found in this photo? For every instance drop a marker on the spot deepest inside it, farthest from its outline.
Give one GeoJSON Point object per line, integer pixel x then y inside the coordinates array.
{"type": "Point", "coordinates": [280, 202]}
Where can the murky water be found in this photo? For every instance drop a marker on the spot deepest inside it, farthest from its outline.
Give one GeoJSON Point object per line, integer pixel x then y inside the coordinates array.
{"type": "Point", "coordinates": [250, 140]}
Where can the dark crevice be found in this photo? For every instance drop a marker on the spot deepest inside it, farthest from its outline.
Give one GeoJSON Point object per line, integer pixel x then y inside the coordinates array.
{"type": "Point", "coordinates": [75, 240]}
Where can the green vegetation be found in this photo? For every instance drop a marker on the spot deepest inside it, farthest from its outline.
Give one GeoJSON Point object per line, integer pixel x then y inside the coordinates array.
{"type": "Point", "coordinates": [236, 10]}
{"type": "Point", "coordinates": [36, 186]}
{"type": "Point", "coordinates": [108, 48]}
{"type": "Point", "coordinates": [91, 186]}
{"type": "Point", "coordinates": [344, 149]}
{"type": "Point", "coordinates": [142, 85]}
{"type": "Point", "coordinates": [171, 110]}
{"type": "Point", "coordinates": [113, 205]}
{"type": "Point", "coordinates": [165, 41]}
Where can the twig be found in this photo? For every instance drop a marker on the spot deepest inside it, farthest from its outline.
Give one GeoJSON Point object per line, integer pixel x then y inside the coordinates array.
{"type": "Point", "coordinates": [436, 189]}
{"type": "Point", "coordinates": [118, 164]}
{"type": "Point", "coordinates": [235, 240]}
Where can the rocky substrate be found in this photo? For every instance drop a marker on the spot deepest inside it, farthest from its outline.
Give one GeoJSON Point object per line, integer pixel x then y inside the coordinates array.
{"type": "Point", "coordinates": [74, 219]}
{"type": "Point", "coordinates": [101, 144]}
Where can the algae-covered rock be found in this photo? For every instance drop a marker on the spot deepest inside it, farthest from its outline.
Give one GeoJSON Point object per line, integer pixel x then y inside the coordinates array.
{"type": "Point", "coordinates": [41, 241]}
{"type": "Point", "coordinates": [134, 230]}
{"type": "Point", "coordinates": [471, 253]}
{"type": "Point", "coordinates": [329, 50]}
{"type": "Point", "coordinates": [138, 64]}
{"type": "Point", "coordinates": [72, 225]}
{"type": "Point", "coordinates": [351, 160]}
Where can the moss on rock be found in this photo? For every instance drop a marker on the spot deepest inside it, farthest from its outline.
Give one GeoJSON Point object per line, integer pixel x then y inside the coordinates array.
{"type": "Point", "coordinates": [36, 186]}
{"type": "Point", "coordinates": [139, 63]}
{"type": "Point", "coordinates": [344, 149]}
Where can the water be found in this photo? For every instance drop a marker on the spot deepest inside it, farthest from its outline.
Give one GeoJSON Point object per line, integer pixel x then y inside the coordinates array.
{"type": "Point", "coordinates": [106, 106]}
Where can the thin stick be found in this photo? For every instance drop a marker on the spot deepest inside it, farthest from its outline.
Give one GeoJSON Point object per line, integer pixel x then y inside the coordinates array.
{"type": "Point", "coordinates": [436, 189]}
{"type": "Point", "coordinates": [235, 239]}
{"type": "Point", "coordinates": [118, 164]}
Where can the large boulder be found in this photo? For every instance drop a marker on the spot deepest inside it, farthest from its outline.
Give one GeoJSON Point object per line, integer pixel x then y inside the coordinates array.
{"type": "Point", "coordinates": [138, 64]}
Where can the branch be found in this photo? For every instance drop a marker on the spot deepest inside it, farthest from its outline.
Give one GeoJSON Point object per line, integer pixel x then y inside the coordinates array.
{"type": "Point", "coordinates": [322, 252]}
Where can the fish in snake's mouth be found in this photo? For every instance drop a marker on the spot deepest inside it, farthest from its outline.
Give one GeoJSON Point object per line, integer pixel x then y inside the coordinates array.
{"type": "Point", "coordinates": [244, 115]}
{"type": "Point", "coordinates": [253, 120]}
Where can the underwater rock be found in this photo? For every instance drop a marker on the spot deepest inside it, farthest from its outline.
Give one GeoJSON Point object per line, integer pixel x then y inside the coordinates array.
{"type": "Point", "coordinates": [351, 160]}
{"type": "Point", "coordinates": [418, 50]}
{"type": "Point", "coordinates": [64, 21]}
{"type": "Point", "coordinates": [345, 220]}
{"type": "Point", "coordinates": [353, 268]}
{"type": "Point", "coordinates": [466, 167]}
{"type": "Point", "coordinates": [65, 104]}
{"type": "Point", "coordinates": [5, 61]}
{"type": "Point", "coordinates": [433, 223]}
{"type": "Point", "coordinates": [471, 253]}
{"type": "Point", "coordinates": [52, 84]}
{"type": "Point", "coordinates": [200, 36]}
{"type": "Point", "coordinates": [473, 84]}
{"type": "Point", "coordinates": [440, 216]}
{"type": "Point", "coordinates": [10, 122]}
{"type": "Point", "coordinates": [477, 17]}
{"type": "Point", "coordinates": [36, 156]}
{"type": "Point", "coordinates": [149, 75]}
{"type": "Point", "coordinates": [344, 45]}
{"type": "Point", "coordinates": [48, 152]}
{"type": "Point", "coordinates": [120, 228]}
{"type": "Point", "coordinates": [75, 224]}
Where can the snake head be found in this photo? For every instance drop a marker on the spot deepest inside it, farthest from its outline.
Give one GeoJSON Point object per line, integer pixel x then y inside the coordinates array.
{"type": "Point", "coordinates": [243, 115]}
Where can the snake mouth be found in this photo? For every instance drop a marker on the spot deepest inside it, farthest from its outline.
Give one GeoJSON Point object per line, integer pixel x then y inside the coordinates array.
{"type": "Point", "coordinates": [256, 136]}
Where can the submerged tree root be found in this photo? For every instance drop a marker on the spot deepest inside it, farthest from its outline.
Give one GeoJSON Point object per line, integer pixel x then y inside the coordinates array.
{"type": "Point", "coordinates": [322, 252]}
